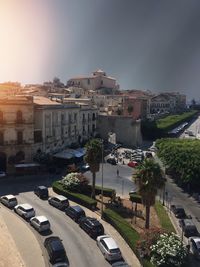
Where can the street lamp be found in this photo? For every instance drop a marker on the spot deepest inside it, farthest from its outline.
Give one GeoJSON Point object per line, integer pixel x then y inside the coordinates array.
{"type": "Point", "coordinates": [102, 177]}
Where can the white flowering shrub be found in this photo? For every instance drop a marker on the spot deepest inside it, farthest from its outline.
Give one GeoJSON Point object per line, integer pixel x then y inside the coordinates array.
{"type": "Point", "coordinates": [71, 181]}
{"type": "Point", "coordinates": [168, 251]}
{"type": "Point", "coordinates": [74, 181]}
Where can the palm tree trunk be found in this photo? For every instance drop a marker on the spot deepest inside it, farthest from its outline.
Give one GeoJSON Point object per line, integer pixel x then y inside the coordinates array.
{"type": "Point", "coordinates": [147, 217]}
{"type": "Point", "coordinates": [93, 185]}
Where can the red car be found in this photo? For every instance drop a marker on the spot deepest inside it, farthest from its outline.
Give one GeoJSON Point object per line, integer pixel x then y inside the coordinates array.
{"type": "Point", "coordinates": [133, 164]}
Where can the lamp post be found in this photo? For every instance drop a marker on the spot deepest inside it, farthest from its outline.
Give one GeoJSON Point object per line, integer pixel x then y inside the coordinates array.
{"type": "Point", "coordinates": [102, 177]}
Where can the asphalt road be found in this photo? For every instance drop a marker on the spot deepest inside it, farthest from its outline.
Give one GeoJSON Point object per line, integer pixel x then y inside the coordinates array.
{"type": "Point", "coordinates": [81, 249]}
{"type": "Point", "coordinates": [122, 183]}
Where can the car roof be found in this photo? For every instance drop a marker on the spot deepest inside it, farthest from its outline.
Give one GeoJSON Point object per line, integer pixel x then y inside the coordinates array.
{"type": "Point", "coordinates": [41, 218]}
{"type": "Point", "coordinates": [110, 242]}
{"type": "Point", "coordinates": [60, 197]}
{"type": "Point", "coordinates": [188, 222]}
{"type": "Point", "coordinates": [9, 196]}
{"type": "Point", "coordinates": [196, 240]}
{"type": "Point", "coordinates": [42, 187]}
{"type": "Point", "coordinates": [56, 243]}
{"type": "Point", "coordinates": [93, 221]}
{"type": "Point", "coordinates": [77, 208]}
{"type": "Point", "coordinates": [25, 206]}
{"type": "Point", "coordinates": [120, 264]}
{"type": "Point", "coordinates": [179, 207]}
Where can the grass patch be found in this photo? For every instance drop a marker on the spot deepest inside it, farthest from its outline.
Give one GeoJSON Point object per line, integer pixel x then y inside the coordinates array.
{"type": "Point", "coordinates": [164, 218]}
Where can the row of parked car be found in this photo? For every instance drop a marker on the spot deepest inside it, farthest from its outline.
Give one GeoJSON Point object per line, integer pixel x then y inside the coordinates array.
{"type": "Point", "coordinates": [189, 229]}
{"type": "Point", "coordinates": [53, 244]}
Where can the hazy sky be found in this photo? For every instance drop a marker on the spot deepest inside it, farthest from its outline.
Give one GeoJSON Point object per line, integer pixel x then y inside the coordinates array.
{"type": "Point", "coordinates": [144, 44]}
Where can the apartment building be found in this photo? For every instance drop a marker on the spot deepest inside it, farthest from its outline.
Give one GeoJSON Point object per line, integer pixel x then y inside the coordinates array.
{"type": "Point", "coordinates": [16, 130]}
{"type": "Point", "coordinates": [59, 125]}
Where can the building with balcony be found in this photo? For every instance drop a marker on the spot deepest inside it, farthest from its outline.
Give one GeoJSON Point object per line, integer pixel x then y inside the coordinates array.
{"type": "Point", "coordinates": [16, 130]}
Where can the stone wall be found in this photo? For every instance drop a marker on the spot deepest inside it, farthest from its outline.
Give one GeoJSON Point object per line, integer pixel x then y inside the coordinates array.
{"type": "Point", "coordinates": [127, 129]}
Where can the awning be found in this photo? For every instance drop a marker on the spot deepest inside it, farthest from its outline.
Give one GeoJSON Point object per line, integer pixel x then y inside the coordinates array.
{"type": "Point", "coordinates": [27, 165]}
{"type": "Point", "coordinates": [64, 155]}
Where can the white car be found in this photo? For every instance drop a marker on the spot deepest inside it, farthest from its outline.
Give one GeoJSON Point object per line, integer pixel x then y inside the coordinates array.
{"type": "Point", "coordinates": [109, 248]}
{"type": "Point", "coordinates": [9, 201]}
{"type": "Point", "coordinates": [194, 243]}
{"type": "Point", "coordinates": [26, 211]}
{"type": "Point", "coordinates": [40, 223]}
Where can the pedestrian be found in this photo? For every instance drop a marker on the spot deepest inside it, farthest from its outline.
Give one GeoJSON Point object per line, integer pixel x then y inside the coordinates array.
{"type": "Point", "coordinates": [117, 173]}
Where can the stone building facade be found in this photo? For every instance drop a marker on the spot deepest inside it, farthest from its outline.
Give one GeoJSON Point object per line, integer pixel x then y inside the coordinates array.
{"type": "Point", "coordinates": [127, 129]}
{"type": "Point", "coordinates": [16, 130]}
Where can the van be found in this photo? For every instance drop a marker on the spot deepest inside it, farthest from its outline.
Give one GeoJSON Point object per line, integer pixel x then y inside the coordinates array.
{"type": "Point", "coordinates": [42, 192]}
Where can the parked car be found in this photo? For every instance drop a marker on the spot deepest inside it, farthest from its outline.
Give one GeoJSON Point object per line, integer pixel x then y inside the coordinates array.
{"type": "Point", "coordinates": [42, 192]}
{"type": "Point", "coordinates": [112, 161]}
{"type": "Point", "coordinates": [59, 202]}
{"type": "Point", "coordinates": [26, 211]}
{"type": "Point", "coordinates": [194, 243]}
{"type": "Point", "coordinates": [133, 164]}
{"type": "Point", "coordinates": [120, 264]}
{"type": "Point", "coordinates": [55, 249]}
{"type": "Point", "coordinates": [109, 248]}
{"type": "Point", "coordinates": [178, 211]}
{"type": "Point", "coordinates": [85, 167]}
{"type": "Point", "coordinates": [61, 264]}
{"type": "Point", "coordinates": [9, 201]}
{"type": "Point", "coordinates": [75, 212]}
{"type": "Point", "coordinates": [188, 227]}
{"type": "Point", "coordinates": [40, 223]}
{"type": "Point", "coordinates": [2, 174]}
{"type": "Point", "coordinates": [91, 226]}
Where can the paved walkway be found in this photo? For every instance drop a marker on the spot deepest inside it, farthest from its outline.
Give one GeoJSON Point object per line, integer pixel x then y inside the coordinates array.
{"type": "Point", "coordinates": [19, 246]}
{"type": "Point", "coordinates": [8, 247]}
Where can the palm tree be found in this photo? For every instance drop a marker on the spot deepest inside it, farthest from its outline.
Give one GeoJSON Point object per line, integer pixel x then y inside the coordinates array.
{"type": "Point", "coordinates": [149, 178]}
{"type": "Point", "coordinates": [93, 158]}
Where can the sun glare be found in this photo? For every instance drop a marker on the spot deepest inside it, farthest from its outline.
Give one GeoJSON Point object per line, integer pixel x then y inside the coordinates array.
{"type": "Point", "coordinates": [24, 35]}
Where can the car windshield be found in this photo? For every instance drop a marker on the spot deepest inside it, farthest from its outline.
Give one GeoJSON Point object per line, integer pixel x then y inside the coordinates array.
{"type": "Point", "coordinates": [12, 199]}
{"type": "Point", "coordinates": [45, 223]}
{"type": "Point", "coordinates": [114, 250]}
{"type": "Point", "coordinates": [29, 210]}
{"type": "Point", "coordinates": [64, 201]}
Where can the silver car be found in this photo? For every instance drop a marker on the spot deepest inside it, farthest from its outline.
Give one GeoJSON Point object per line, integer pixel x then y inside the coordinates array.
{"type": "Point", "coordinates": [109, 248]}
{"type": "Point", "coordinates": [40, 223]}
{"type": "Point", "coordinates": [60, 202]}
{"type": "Point", "coordinates": [9, 201]}
{"type": "Point", "coordinates": [194, 243]}
{"type": "Point", "coordinates": [26, 211]}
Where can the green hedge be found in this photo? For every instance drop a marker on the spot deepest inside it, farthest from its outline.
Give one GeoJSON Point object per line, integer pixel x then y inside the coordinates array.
{"type": "Point", "coordinates": [123, 227]}
{"type": "Point", "coordinates": [135, 198]}
{"type": "Point", "coordinates": [107, 192]}
{"type": "Point", "coordinates": [76, 197]}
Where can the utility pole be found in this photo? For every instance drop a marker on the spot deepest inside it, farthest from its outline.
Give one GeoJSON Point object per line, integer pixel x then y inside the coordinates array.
{"type": "Point", "coordinates": [102, 159]}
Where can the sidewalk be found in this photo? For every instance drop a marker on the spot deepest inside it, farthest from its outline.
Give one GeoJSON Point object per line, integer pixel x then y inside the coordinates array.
{"type": "Point", "coordinates": [19, 246]}
{"type": "Point", "coordinates": [127, 253]}
{"type": "Point", "coordinates": [8, 248]}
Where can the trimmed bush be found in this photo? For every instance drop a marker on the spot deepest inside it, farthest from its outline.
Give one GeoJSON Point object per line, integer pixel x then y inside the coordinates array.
{"type": "Point", "coordinates": [76, 197]}
{"type": "Point", "coordinates": [135, 198]}
{"type": "Point", "coordinates": [107, 192]}
{"type": "Point", "coordinates": [123, 227]}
